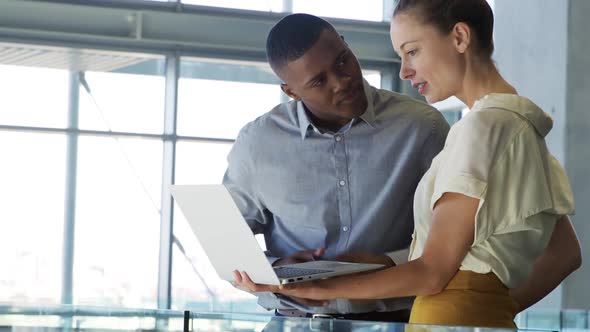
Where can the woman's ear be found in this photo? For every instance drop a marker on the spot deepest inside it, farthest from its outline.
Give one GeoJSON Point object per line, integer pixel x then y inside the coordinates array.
{"type": "Point", "coordinates": [287, 90]}
{"type": "Point", "coordinates": [461, 37]}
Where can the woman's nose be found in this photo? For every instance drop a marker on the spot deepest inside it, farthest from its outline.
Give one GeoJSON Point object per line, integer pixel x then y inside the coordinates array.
{"type": "Point", "coordinates": [405, 72]}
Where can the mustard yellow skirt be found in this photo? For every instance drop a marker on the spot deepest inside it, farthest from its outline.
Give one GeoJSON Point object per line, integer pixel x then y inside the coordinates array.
{"type": "Point", "coordinates": [470, 299]}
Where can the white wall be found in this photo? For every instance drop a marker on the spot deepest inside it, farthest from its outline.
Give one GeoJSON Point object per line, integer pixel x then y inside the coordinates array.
{"type": "Point", "coordinates": [543, 49]}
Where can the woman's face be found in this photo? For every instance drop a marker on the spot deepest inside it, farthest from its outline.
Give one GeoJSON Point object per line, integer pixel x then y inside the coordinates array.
{"type": "Point", "coordinates": [432, 61]}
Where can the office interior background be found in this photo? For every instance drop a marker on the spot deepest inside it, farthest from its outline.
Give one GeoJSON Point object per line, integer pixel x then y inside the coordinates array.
{"type": "Point", "coordinates": [105, 103]}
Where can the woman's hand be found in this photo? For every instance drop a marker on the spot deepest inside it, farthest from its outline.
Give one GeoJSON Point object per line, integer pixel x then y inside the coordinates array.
{"type": "Point", "coordinates": [304, 292]}
{"type": "Point", "coordinates": [242, 280]}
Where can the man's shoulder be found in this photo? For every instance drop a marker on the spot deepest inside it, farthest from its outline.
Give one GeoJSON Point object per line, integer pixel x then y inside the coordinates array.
{"type": "Point", "coordinates": [395, 104]}
{"type": "Point", "coordinates": [391, 101]}
{"type": "Point", "coordinates": [282, 116]}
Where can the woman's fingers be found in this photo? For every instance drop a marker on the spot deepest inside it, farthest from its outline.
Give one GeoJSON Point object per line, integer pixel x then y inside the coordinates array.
{"type": "Point", "coordinates": [254, 287]}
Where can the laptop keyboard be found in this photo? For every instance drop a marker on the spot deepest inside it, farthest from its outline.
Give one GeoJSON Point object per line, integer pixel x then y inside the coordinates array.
{"type": "Point", "coordinates": [290, 272]}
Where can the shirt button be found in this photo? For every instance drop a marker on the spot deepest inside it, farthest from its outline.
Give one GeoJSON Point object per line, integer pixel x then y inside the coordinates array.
{"type": "Point", "coordinates": [342, 183]}
{"type": "Point", "coordinates": [338, 138]}
{"type": "Point", "coordinates": [345, 229]}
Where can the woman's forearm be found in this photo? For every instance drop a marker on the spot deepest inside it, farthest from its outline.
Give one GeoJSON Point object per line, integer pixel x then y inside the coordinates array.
{"type": "Point", "coordinates": [409, 279]}
{"type": "Point", "coordinates": [452, 218]}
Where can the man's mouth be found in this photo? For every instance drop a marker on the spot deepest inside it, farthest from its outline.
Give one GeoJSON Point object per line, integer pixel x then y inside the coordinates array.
{"type": "Point", "coordinates": [350, 95]}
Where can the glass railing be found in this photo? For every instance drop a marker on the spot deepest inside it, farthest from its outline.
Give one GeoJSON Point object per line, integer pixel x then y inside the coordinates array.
{"type": "Point", "coordinates": [555, 320]}
{"type": "Point", "coordinates": [83, 318]}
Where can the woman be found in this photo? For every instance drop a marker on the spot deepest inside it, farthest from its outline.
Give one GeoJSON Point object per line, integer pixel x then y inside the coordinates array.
{"type": "Point", "coordinates": [492, 235]}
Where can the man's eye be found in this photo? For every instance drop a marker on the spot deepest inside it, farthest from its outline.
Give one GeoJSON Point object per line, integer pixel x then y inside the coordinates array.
{"type": "Point", "coordinates": [318, 82]}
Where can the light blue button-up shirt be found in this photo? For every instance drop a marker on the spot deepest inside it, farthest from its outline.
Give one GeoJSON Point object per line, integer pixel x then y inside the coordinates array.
{"type": "Point", "coordinates": [304, 187]}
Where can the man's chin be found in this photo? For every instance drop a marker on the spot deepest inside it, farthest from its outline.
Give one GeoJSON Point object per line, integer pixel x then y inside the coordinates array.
{"type": "Point", "coordinates": [354, 109]}
{"type": "Point", "coordinates": [353, 113]}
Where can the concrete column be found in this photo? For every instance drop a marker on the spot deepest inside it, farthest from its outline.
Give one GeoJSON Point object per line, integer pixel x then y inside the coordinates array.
{"type": "Point", "coordinates": [576, 293]}
{"type": "Point", "coordinates": [543, 49]}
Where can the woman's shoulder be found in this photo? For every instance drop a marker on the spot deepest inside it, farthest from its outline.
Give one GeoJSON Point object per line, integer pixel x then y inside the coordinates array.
{"type": "Point", "coordinates": [487, 127]}
{"type": "Point", "coordinates": [510, 112]}
{"type": "Point", "coordinates": [486, 132]}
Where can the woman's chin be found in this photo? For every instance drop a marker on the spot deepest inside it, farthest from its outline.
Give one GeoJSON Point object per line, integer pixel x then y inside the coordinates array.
{"type": "Point", "coordinates": [431, 99]}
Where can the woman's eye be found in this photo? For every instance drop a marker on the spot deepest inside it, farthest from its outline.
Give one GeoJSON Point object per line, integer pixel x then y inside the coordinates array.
{"type": "Point", "coordinates": [411, 52]}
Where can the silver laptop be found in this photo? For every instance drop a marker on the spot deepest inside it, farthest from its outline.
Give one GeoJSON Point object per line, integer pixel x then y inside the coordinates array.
{"type": "Point", "coordinates": [230, 245]}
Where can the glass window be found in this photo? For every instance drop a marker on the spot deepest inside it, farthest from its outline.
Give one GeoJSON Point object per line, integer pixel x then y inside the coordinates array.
{"type": "Point", "coordinates": [260, 5]}
{"type": "Point", "coordinates": [452, 109]}
{"type": "Point", "coordinates": [33, 96]}
{"type": "Point", "coordinates": [373, 77]}
{"type": "Point", "coordinates": [117, 221]}
{"type": "Point", "coordinates": [200, 162]}
{"type": "Point", "coordinates": [366, 10]}
{"type": "Point", "coordinates": [122, 102]}
{"type": "Point", "coordinates": [216, 100]}
{"type": "Point", "coordinates": [32, 175]}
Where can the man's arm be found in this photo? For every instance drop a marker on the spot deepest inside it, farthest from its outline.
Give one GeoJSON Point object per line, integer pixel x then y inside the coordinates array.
{"type": "Point", "coordinates": [240, 179]}
{"type": "Point", "coordinates": [561, 257]}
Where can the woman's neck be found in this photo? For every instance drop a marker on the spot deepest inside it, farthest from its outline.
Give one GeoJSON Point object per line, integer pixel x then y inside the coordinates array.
{"type": "Point", "coordinates": [481, 79]}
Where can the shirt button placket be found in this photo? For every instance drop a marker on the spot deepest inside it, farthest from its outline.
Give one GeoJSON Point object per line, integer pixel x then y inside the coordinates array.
{"type": "Point", "coordinates": [343, 191]}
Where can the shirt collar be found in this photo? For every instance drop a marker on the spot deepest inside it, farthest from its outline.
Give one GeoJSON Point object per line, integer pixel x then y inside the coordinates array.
{"type": "Point", "coordinates": [522, 106]}
{"type": "Point", "coordinates": [304, 122]}
{"type": "Point", "coordinates": [368, 116]}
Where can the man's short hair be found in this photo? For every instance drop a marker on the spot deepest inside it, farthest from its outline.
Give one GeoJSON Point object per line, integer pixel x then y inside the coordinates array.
{"type": "Point", "coordinates": [291, 37]}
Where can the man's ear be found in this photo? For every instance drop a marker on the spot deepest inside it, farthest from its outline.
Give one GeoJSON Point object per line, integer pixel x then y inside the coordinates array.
{"type": "Point", "coordinates": [344, 40]}
{"type": "Point", "coordinates": [287, 90]}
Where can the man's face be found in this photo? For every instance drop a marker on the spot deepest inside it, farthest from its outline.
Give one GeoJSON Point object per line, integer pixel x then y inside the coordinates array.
{"type": "Point", "coordinates": [328, 79]}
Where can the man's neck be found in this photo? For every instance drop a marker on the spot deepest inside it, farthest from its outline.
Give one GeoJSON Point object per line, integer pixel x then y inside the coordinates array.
{"type": "Point", "coordinates": [330, 125]}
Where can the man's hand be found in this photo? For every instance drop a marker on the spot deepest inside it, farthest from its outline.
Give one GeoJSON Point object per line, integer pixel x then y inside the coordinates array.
{"type": "Point", "coordinates": [362, 257]}
{"type": "Point", "coordinates": [301, 257]}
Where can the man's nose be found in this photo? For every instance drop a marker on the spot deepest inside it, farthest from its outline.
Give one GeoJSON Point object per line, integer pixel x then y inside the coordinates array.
{"type": "Point", "coordinates": [341, 82]}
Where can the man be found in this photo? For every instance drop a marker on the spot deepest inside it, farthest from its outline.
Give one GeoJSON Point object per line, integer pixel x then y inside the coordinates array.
{"type": "Point", "coordinates": [333, 171]}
